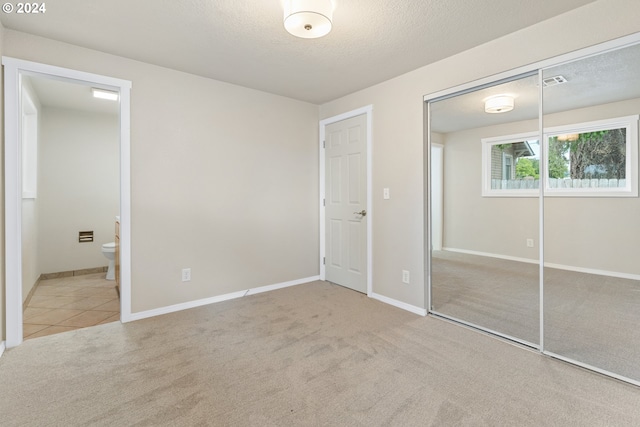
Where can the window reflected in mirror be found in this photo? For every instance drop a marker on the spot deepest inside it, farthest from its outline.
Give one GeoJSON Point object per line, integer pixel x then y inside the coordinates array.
{"type": "Point", "coordinates": [511, 165]}
{"type": "Point", "coordinates": [593, 159]}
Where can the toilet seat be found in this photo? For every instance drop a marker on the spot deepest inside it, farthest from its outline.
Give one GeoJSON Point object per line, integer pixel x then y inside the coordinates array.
{"type": "Point", "coordinates": [109, 251]}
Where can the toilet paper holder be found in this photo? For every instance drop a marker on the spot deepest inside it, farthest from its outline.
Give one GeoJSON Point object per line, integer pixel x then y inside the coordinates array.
{"type": "Point", "coordinates": [85, 236]}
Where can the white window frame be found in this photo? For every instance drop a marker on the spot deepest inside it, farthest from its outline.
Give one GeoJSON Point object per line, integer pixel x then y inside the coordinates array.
{"type": "Point", "coordinates": [630, 123]}
{"type": "Point", "coordinates": [487, 144]}
{"type": "Point", "coordinates": [506, 156]}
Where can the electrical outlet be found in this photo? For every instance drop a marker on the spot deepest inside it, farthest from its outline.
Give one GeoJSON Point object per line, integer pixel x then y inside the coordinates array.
{"type": "Point", "coordinates": [405, 276]}
{"type": "Point", "coordinates": [186, 274]}
{"type": "Point", "coordinates": [529, 243]}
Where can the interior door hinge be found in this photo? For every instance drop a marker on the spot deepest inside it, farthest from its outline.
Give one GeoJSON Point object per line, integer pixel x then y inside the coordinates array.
{"type": "Point", "coordinates": [324, 260]}
{"type": "Point", "coordinates": [323, 144]}
{"type": "Point", "coordinates": [324, 202]}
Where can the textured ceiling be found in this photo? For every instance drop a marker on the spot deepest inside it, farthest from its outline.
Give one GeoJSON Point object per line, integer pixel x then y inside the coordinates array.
{"type": "Point", "coordinates": [601, 79]}
{"type": "Point", "coordinates": [244, 42]}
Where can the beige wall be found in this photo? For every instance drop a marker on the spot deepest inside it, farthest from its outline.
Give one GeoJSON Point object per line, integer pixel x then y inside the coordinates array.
{"type": "Point", "coordinates": [79, 179]}
{"type": "Point", "coordinates": [398, 232]}
{"type": "Point", "coordinates": [586, 232]}
{"type": "Point", "coordinates": [224, 179]}
{"type": "Point", "coordinates": [495, 225]}
{"type": "Point", "coordinates": [591, 232]}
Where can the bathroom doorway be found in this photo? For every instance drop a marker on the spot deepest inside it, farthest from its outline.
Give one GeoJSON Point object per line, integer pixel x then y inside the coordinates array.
{"type": "Point", "coordinates": [62, 198]}
{"type": "Point", "coordinates": [69, 213]}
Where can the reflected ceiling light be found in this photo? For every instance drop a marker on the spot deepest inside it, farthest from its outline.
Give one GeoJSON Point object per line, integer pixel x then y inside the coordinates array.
{"type": "Point", "coordinates": [308, 19]}
{"type": "Point", "coordinates": [104, 94]}
{"type": "Point", "coordinates": [568, 137]}
{"type": "Point", "coordinates": [499, 104]}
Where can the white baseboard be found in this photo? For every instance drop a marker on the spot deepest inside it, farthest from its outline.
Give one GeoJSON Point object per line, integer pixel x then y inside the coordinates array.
{"type": "Point", "coordinates": [206, 301]}
{"type": "Point", "coordinates": [281, 285]}
{"type": "Point", "coordinates": [490, 255]}
{"type": "Point", "coordinates": [549, 264]}
{"type": "Point", "coordinates": [403, 305]}
{"type": "Point", "coordinates": [593, 271]}
{"type": "Point", "coordinates": [2, 347]}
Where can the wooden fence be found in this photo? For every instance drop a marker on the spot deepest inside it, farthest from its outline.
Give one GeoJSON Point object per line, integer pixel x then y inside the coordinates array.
{"type": "Point", "coordinates": [515, 184]}
{"type": "Point", "coordinates": [587, 183]}
{"type": "Point", "coordinates": [534, 184]}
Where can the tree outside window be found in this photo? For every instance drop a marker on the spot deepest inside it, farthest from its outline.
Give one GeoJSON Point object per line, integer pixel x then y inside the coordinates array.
{"type": "Point", "coordinates": [589, 155]}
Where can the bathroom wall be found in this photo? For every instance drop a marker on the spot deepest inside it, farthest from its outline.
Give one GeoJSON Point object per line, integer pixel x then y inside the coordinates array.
{"type": "Point", "coordinates": [79, 179]}
{"type": "Point", "coordinates": [30, 265]}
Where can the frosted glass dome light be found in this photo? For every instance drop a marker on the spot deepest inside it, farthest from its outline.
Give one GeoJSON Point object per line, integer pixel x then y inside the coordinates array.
{"type": "Point", "coordinates": [308, 19]}
{"type": "Point", "coordinates": [499, 104]}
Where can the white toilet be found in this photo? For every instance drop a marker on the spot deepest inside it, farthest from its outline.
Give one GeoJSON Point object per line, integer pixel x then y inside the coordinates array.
{"type": "Point", "coordinates": [109, 251]}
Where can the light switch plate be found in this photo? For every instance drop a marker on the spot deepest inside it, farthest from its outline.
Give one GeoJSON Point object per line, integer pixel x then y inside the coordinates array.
{"type": "Point", "coordinates": [385, 193]}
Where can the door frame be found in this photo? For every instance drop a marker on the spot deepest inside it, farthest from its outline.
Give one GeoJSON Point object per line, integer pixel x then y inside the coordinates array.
{"type": "Point", "coordinates": [437, 221]}
{"type": "Point", "coordinates": [13, 70]}
{"type": "Point", "coordinates": [368, 111]}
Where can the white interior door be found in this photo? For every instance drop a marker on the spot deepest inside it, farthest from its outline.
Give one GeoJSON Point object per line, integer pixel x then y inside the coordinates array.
{"type": "Point", "coordinates": [437, 187]}
{"type": "Point", "coordinates": [346, 203]}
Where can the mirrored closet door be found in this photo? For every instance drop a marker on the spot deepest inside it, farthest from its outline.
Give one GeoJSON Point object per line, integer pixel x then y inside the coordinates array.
{"type": "Point", "coordinates": [509, 191]}
{"type": "Point", "coordinates": [485, 208]}
{"type": "Point", "coordinates": [592, 212]}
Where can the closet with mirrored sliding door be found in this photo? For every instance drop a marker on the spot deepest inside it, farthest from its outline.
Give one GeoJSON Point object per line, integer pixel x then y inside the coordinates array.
{"type": "Point", "coordinates": [533, 207]}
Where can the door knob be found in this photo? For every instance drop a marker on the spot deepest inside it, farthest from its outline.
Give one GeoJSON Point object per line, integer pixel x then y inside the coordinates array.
{"type": "Point", "coordinates": [362, 212]}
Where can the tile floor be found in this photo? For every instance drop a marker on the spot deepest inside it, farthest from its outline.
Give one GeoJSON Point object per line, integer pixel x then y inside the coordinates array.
{"type": "Point", "coordinates": [68, 303]}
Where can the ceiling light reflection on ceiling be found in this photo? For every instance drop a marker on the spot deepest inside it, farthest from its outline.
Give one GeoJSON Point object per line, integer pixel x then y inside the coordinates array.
{"type": "Point", "coordinates": [104, 94]}
{"type": "Point", "coordinates": [308, 19]}
{"type": "Point", "coordinates": [499, 104]}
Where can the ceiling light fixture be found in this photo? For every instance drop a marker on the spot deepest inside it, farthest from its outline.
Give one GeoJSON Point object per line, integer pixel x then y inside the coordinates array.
{"type": "Point", "coordinates": [308, 19]}
{"type": "Point", "coordinates": [104, 94]}
{"type": "Point", "coordinates": [498, 104]}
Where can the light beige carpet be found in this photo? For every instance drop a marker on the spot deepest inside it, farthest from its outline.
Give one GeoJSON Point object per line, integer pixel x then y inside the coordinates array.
{"type": "Point", "coordinates": [589, 318]}
{"type": "Point", "coordinates": [310, 355]}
